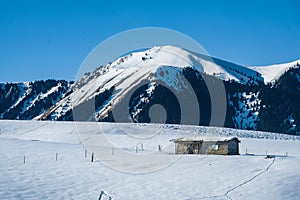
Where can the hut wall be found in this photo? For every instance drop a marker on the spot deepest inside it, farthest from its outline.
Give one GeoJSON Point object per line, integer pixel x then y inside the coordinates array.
{"type": "Point", "coordinates": [233, 148]}
{"type": "Point", "coordinates": [207, 147]}
{"type": "Point", "coordinates": [181, 148]}
{"type": "Point", "coordinates": [187, 147]}
{"type": "Point", "coordinates": [204, 147]}
{"type": "Point", "coordinates": [218, 148]}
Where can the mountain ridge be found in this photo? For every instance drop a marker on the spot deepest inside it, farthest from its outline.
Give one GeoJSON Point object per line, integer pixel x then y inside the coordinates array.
{"type": "Point", "coordinates": [140, 79]}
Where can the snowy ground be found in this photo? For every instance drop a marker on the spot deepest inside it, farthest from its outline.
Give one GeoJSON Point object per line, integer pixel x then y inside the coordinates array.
{"type": "Point", "coordinates": [168, 176]}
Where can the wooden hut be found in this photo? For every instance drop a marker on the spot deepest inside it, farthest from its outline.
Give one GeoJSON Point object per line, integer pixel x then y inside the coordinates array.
{"type": "Point", "coordinates": [194, 146]}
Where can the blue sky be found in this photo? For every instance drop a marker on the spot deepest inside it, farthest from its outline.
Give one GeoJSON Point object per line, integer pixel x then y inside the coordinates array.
{"type": "Point", "coordinates": [50, 39]}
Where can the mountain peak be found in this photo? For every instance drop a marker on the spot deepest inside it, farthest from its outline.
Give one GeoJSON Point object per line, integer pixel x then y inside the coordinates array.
{"type": "Point", "coordinates": [273, 72]}
{"type": "Point", "coordinates": [177, 57]}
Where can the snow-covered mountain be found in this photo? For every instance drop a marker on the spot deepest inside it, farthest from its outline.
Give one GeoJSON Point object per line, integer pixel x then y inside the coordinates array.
{"type": "Point", "coordinates": [29, 99]}
{"type": "Point", "coordinates": [133, 83]}
{"type": "Point", "coordinates": [164, 63]}
{"type": "Point", "coordinates": [272, 73]}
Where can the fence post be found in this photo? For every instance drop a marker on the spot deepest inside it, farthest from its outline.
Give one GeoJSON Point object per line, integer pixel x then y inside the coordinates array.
{"type": "Point", "coordinates": [56, 155]}
{"type": "Point", "coordinates": [92, 160]}
{"type": "Point", "coordinates": [85, 153]}
{"type": "Point", "coordinates": [24, 160]}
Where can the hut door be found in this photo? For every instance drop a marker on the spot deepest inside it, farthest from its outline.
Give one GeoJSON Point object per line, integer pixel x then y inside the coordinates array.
{"type": "Point", "coordinates": [193, 148]}
{"type": "Point", "coordinates": [190, 149]}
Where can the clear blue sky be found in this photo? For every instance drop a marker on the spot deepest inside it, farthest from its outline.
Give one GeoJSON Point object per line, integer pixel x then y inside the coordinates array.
{"type": "Point", "coordinates": [41, 40]}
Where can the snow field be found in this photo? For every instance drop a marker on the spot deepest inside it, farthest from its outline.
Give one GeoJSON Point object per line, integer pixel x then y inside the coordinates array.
{"type": "Point", "coordinates": [74, 176]}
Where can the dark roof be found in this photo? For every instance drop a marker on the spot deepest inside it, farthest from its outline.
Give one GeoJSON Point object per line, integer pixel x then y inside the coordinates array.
{"type": "Point", "coordinates": [186, 140]}
{"type": "Point", "coordinates": [233, 139]}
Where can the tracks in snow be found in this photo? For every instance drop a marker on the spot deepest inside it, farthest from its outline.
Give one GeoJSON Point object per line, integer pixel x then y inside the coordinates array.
{"type": "Point", "coordinates": [237, 186]}
{"type": "Point", "coordinates": [251, 179]}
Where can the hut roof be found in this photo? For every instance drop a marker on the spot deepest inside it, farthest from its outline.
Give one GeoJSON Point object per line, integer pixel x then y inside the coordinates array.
{"type": "Point", "coordinates": [183, 140]}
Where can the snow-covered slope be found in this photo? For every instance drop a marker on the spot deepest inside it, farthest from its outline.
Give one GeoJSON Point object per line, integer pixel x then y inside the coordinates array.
{"type": "Point", "coordinates": [46, 160]}
{"type": "Point", "coordinates": [177, 57]}
{"type": "Point", "coordinates": [96, 96]}
{"type": "Point", "coordinates": [29, 99]}
{"type": "Point", "coordinates": [173, 78]}
{"type": "Point", "coordinates": [163, 63]}
{"type": "Point", "coordinates": [272, 73]}
{"type": "Point", "coordinates": [247, 110]}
